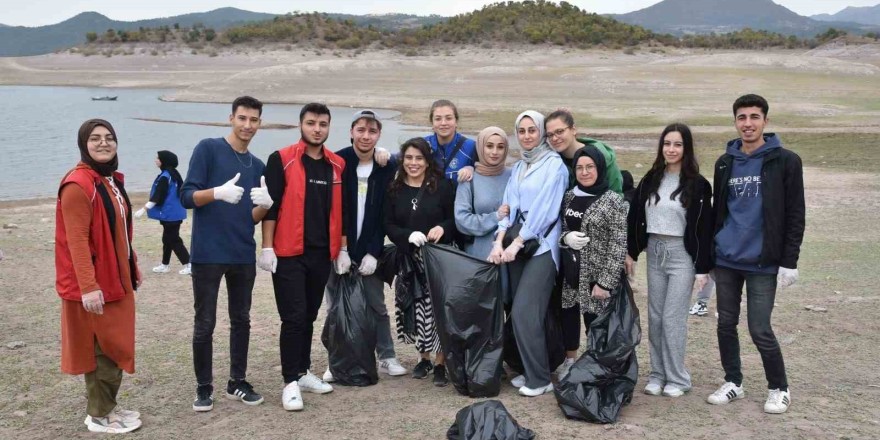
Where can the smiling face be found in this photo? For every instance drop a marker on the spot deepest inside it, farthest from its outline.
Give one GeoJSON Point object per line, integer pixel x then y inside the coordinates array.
{"type": "Point", "coordinates": [315, 128]}
{"type": "Point", "coordinates": [559, 134]}
{"type": "Point", "coordinates": [444, 122]}
{"type": "Point", "coordinates": [750, 123]}
{"type": "Point", "coordinates": [528, 134]}
{"type": "Point", "coordinates": [494, 150]}
{"type": "Point", "coordinates": [365, 135]}
{"type": "Point", "coordinates": [245, 123]}
{"type": "Point", "coordinates": [414, 163]}
{"type": "Point", "coordinates": [585, 171]}
{"type": "Point", "coordinates": [101, 145]}
{"type": "Point", "coordinates": [673, 148]}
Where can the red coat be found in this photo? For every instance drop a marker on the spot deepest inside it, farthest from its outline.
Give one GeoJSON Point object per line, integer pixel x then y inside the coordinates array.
{"type": "Point", "coordinates": [290, 229]}
{"type": "Point", "coordinates": [101, 244]}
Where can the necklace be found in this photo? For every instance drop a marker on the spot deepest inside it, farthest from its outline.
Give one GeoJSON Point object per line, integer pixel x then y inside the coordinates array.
{"type": "Point", "coordinates": [415, 203]}
{"type": "Point", "coordinates": [250, 156]}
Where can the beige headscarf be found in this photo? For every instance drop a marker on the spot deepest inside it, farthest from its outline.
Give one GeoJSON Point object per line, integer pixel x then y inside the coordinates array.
{"type": "Point", "coordinates": [481, 166]}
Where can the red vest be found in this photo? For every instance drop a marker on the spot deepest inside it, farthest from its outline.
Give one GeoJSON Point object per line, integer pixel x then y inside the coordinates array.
{"type": "Point", "coordinates": [101, 243]}
{"type": "Point", "coordinates": [290, 229]}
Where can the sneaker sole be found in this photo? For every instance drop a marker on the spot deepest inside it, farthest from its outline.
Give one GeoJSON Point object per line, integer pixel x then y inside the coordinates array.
{"type": "Point", "coordinates": [385, 371]}
{"type": "Point", "coordinates": [293, 409]}
{"type": "Point", "coordinates": [678, 394]}
{"type": "Point", "coordinates": [94, 427]}
{"type": "Point", "coordinates": [775, 411]}
{"type": "Point", "coordinates": [728, 401]}
{"type": "Point", "coordinates": [313, 391]}
{"type": "Point", "coordinates": [546, 390]}
{"type": "Point", "coordinates": [441, 385]}
{"type": "Point", "coordinates": [652, 393]}
{"type": "Point", "coordinates": [202, 408]}
{"type": "Point", "coordinates": [234, 397]}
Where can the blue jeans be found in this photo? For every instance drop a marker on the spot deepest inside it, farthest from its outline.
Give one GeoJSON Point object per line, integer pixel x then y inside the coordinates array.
{"type": "Point", "coordinates": [760, 296]}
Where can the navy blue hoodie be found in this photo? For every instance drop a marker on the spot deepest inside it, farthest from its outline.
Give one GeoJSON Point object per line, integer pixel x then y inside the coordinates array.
{"type": "Point", "coordinates": [739, 243]}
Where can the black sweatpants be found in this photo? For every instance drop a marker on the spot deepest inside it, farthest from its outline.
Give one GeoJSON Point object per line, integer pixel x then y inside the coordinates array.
{"type": "Point", "coordinates": [171, 242]}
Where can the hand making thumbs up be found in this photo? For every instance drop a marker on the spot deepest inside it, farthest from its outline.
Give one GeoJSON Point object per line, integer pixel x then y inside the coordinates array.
{"type": "Point", "coordinates": [260, 196]}
{"type": "Point", "coordinates": [229, 192]}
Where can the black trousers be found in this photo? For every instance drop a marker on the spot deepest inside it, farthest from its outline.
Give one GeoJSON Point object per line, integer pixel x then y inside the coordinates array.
{"type": "Point", "coordinates": [299, 290]}
{"type": "Point", "coordinates": [239, 287]}
{"type": "Point", "coordinates": [171, 242]}
{"type": "Point", "coordinates": [571, 326]}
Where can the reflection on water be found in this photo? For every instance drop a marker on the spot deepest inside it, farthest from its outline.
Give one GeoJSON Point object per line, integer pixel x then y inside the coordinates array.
{"type": "Point", "coordinates": [38, 128]}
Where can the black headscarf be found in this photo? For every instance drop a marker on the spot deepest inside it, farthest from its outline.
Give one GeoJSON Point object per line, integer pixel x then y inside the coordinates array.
{"type": "Point", "coordinates": [168, 162]}
{"type": "Point", "coordinates": [85, 130]}
{"type": "Point", "coordinates": [601, 185]}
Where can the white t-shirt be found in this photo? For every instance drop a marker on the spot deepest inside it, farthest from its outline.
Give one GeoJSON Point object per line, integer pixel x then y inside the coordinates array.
{"type": "Point", "coordinates": [363, 173]}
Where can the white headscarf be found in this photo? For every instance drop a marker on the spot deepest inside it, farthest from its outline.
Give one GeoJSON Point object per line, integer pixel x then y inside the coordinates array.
{"type": "Point", "coordinates": [535, 154]}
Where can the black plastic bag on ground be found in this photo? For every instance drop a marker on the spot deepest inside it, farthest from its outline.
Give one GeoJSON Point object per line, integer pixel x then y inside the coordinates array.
{"type": "Point", "coordinates": [469, 314]}
{"type": "Point", "coordinates": [602, 381]}
{"type": "Point", "coordinates": [487, 420]}
{"type": "Point", "coordinates": [552, 335]}
{"type": "Point", "coordinates": [350, 332]}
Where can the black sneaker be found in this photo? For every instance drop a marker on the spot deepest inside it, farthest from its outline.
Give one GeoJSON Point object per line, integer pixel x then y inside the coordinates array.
{"type": "Point", "coordinates": [440, 379]}
{"type": "Point", "coordinates": [242, 390]}
{"type": "Point", "coordinates": [422, 369]}
{"type": "Point", "coordinates": [204, 398]}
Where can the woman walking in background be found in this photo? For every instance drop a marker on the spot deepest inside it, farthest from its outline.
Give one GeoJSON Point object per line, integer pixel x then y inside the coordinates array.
{"type": "Point", "coordinates": [165, 206]}
{"type": "Point", "coordinates": [671, 218]}
{"type": "Point", "coordinates": [478, 207]}
{"type": "Point", "coordinates": [96, 276]}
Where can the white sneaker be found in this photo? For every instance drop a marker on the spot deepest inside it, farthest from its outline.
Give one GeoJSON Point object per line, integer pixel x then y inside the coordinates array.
{"type": "Point", "coordinates": [187, 269]}
{"type": "Point", "coordinates": [391, 367]}
{"type": "Point", "coordinates": [328, 376]}
{"type": "Point", "coordinates": [653, 388]}
{"type": "Point", "coordinates": [674, 391]}
{"type": "Point", "coordinates": [699, 308]}
{"type": "Point", "coordinates": [113, 423]}
{"type": "Point", "coordinates": [530, 392]}
{"type": "Point", "coordinates": [563, 368]}
{"type": "Point", "coordinates": [777, 402]}
{"type": "Point", "coordinates": [124, 414]}
{"type": "Point", "coordinates": [291, 398]}
{"type": "Point", "coordinates": [162, 268]}
{"type": "Point", "coordinates": [727, 393]}
{"type": "Point", "coordinates": [518, 381]}
{"type": "Point", "coordinates": [311, 384]}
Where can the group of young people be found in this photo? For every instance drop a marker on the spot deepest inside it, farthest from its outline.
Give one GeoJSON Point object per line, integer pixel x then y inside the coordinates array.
{"type": "Point", "coordinates": [557, 222]}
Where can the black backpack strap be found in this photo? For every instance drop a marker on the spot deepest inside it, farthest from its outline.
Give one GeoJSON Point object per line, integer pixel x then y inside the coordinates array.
{"type": "Point", "coordinates": [448, 159]}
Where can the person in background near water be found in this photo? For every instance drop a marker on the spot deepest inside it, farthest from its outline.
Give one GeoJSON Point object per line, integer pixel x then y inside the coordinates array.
{"type": "Point", "coordinates": [478, 207]}
{"type": "Point", "coordinates": [594, 225]}
{"type": "Point", "coordinates": [671, 218]}
{"type": "Point", "coordinates": [562, 136]}
{"type": "Point", "coordinates": [364, 184]}
{"type": "Point", "coordinates": [418, 209]}
{"type": "Point", "coordinates": [759, 227]}
{"type": "Point", "coordinates": [96, 275]}
{"type": "Point", "coordinates": [221, 171]}
{"type": "Point", "coordinates": [537, 183]}
{"type": "Point", "coordinates": [165, 206]}
{"type": "Point", "coordinates": [303, 236]}
{"type": "Point", "coordinates": [454, 153]}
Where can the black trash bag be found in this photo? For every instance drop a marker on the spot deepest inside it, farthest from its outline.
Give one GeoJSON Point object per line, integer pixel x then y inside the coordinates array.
{"type": "Point", "coordinates": [410, 284]}
{"type": "Point", "coordinates": [488, 420]}
{"type": "Point", "coordinates": [552, 336]}
{"type": "Point", "coordinates": [602, 381]}
{"type": "Point", "coordinates": [387, 264]}
{"type": "Point", "coordinates": [350, 332]}
{"type": "Point", "coordinates": [469, 315]}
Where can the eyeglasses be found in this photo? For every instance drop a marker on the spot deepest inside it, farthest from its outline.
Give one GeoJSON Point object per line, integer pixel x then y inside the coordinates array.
{"type": "Point", "coordinates": [589, 168]}
{"type": "Point", "coordinates": [557, 132]}
{"type": "Point", "coordinates": [98, 139]}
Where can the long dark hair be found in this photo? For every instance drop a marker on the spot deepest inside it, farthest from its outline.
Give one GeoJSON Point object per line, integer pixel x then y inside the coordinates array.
{"type": "Point", "coordinates": [433, 174]}
{"type": "Point", "coordinates": [690, 169]}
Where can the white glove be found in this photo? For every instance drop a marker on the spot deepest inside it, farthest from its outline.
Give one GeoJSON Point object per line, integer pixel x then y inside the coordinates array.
{"type": "Point", "coordinates": [576, 240]}
{"type": "Point", "coordinates": [229, 192]}
{"type": "Point", "coordinates": [268, 261]}
{"type": "Point", "coordinates": [343, 262]}
{"type": "Point", "coordinates": [418, 239]}
{"type": "Point", "coordinates": [140, 213]}
{"type": "Point", "coordinates": [260, 195]}
{"type": "Point", "coordinates": [93, 302]}
{"type": "Point", "coordinates": [786, 277]}
{"type": "Point", "coordinates": [510, 252]}
{"type": "Point", "coordinates": [368, 265]}
{"type": "Point", "coordinates": [381, 156]}
{"type": "Point", "coordinates": [700, 281]}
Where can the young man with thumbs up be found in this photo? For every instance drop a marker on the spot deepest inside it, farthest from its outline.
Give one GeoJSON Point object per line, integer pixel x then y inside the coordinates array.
{"type": "Point", "coordinates": [302, 236]}
{"type": "Point", "coordinates": [222, 187]}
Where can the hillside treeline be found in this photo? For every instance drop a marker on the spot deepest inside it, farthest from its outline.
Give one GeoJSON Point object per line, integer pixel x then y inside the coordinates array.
{"type": "Point", "coordinates": [525, 22]}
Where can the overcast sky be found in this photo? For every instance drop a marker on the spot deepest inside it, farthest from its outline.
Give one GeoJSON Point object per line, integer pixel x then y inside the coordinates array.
{"type": "Point", "coordinates": [43, 12]}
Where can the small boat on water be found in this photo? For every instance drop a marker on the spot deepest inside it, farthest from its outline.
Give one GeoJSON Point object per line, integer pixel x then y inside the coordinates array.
{"type": "Point", "coordinates": [104, 98]}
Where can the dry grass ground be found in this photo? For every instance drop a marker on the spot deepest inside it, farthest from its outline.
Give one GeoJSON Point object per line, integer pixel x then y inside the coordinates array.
{"type": "Point", "coordinates": [829, 115]}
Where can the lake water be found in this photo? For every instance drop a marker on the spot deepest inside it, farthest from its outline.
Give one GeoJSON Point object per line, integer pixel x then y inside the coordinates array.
{"type": "Point", "coordinates": [38, 129]}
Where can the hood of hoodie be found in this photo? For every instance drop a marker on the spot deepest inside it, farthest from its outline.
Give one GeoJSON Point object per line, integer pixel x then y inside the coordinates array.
{"type": "Point", "coordinates": [771, 142]}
